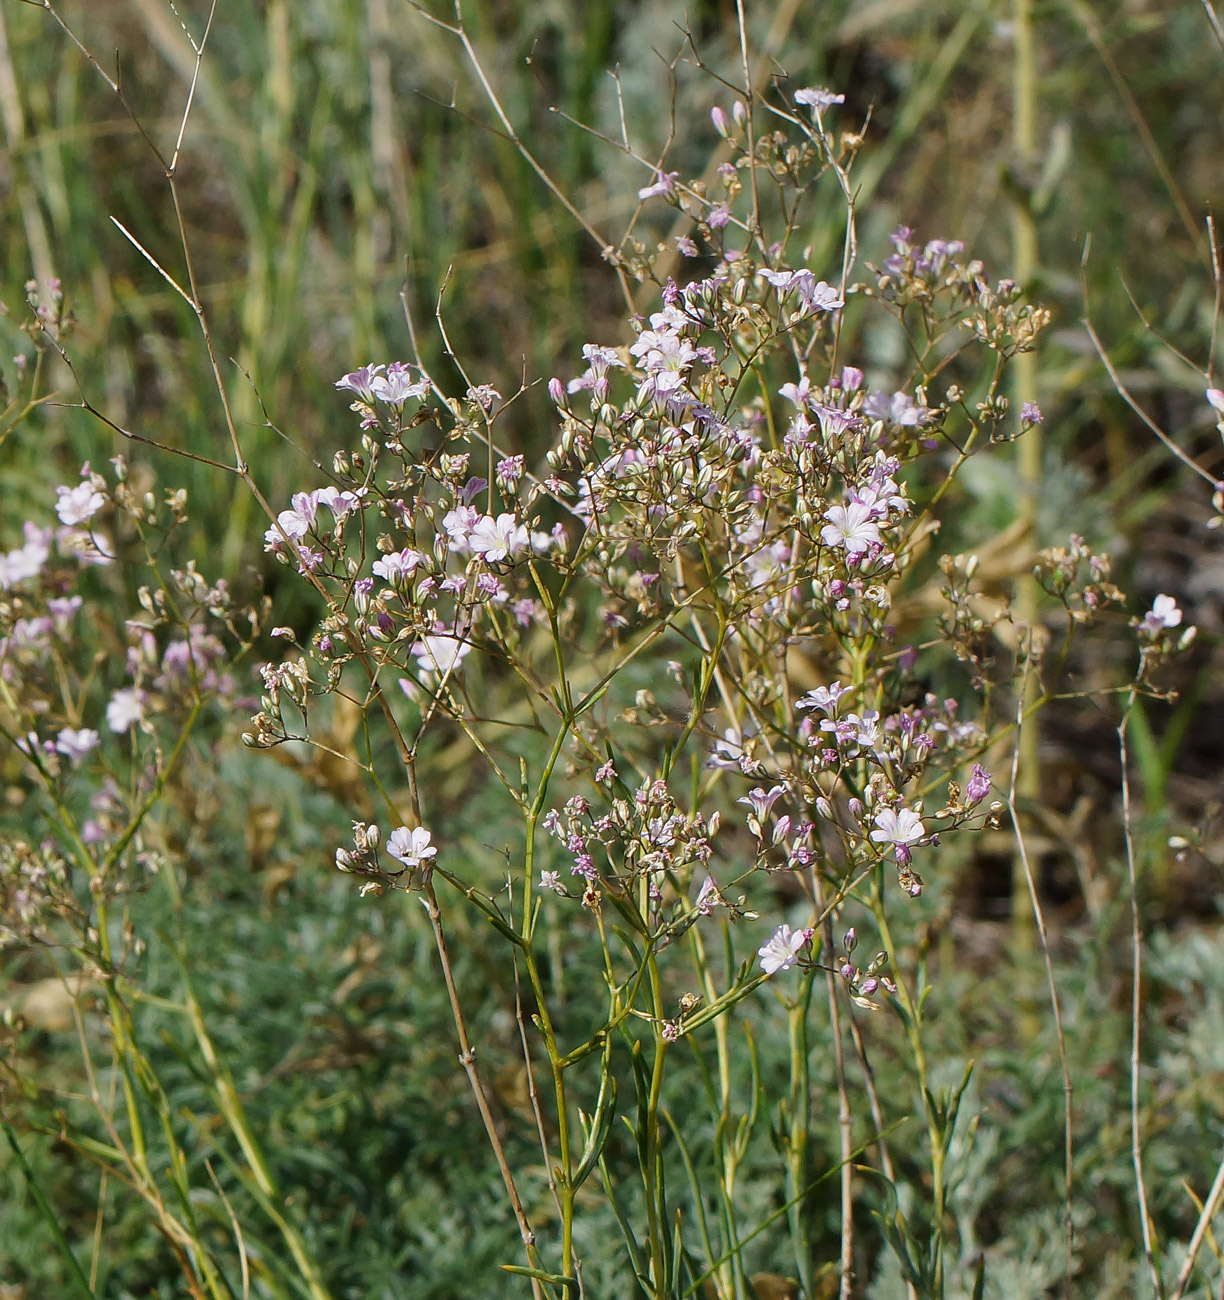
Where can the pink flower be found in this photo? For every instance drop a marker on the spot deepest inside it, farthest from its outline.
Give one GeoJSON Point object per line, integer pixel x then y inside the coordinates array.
{"type": "Point", "coordinates": [459, 524]}
{"type": "Point", "coordinates": [361, 381]}
{"type": "Point", "coordinates": [979, 785]}
{"type": "Point", "coordinates": [664, 186]}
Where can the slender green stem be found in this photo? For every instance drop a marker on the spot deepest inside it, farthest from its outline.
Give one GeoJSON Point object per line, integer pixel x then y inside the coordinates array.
{"type": "Point", "coordinates": [1029, 448]}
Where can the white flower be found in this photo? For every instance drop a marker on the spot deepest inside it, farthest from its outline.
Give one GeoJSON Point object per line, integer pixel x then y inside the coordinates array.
{"type": "Point", "coordinates": [823, 697]}
{"type": "Point", "coordinates": [74, 744]}
{"type": "Point", "coordinates": [341, 504]}
{"type": "Point", "coordinates": [1216, 398]}
{"type": "Point", "coordinates": [897, 409]}
{"type": "Point", "coordinates": [125, 710]}
{"type": "Point", "coordinates": [399, 564]}
{"type": "Point", "coordinates": [818, 97]}
{"type": "Point", "coordinates": [729, 751]}
{"type": "Point", "coordinates": [782, 950]}
{"type": "Point", "coordinates": [459, 523]}
{"type": "Point", "coordinates": [437, 656]}
{"type": "Point", "coordinates": [78, 504]}
{"type": "Point", "coordinates": [850, 527]}
{"type": "Point", "coordinates": [898, 827]}
{"type": "Point", "coordinates": [411, 847]}
{"type": "Point", "coordinates": [819, 296]}
{"type": "Point", "coordinates": [666, 356]}
{"type": "Point", "coordinates": [26, 561]}
{"type": "Point", "coordinates": [1164, 613]}
{"type": "Point", "coordinates": [397, 386]}
{"type": "Point", "coordinates": [498, 539]}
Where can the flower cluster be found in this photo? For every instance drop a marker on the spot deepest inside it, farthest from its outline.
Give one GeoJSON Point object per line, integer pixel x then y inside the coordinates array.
{"type": "Point", "coordinates": [724, 489]}
{"type": "Point", "coordinates": [639, 852]}
{"type": "Point", "coordinates": [78, 688]}
{"type": "Point", "coordinates": [410, 848]}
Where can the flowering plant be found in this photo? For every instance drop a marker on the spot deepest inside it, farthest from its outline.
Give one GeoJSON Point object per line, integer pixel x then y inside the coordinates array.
{"type": "Point", "coordinates": [694, 643]}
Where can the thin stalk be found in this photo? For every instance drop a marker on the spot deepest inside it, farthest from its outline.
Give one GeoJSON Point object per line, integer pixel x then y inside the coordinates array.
{"type": "Point", "coordinates": [800, 1115]}
{"type": "Point", "coordinates": [467, 1058]}
{"type": "Point", "coordinates": [1149, 1245]}
{"type": "Point", "coordinates": [1055, 1005]}
{"type": "Point", "coordinates": [845, 1121]}
{"type": "Point", "coordinates": [913, 1029]}
{"type": "Point", "coordinates": [652, 1169]}
{"type": "Point", "coordinates": [1028, 448]}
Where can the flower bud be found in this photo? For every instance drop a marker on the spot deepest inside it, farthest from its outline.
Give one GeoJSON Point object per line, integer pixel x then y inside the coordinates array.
{"type": "Point", "coordinates": [721, 125]}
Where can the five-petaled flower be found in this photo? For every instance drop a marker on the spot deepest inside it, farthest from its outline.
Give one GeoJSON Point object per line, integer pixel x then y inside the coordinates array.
{"type": "Point", "coordinates": [498, 539]}
{"type": "Point", "coordinates": [782, 949]}
{"type": "Point", "coordinates": [899, 827]}
{"type": "Point", "coordinates": [411, 847]}
{"type": "Point", "coordinates": [850, 528]}
{"type": "Point", "coordinates": [78, 504]}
